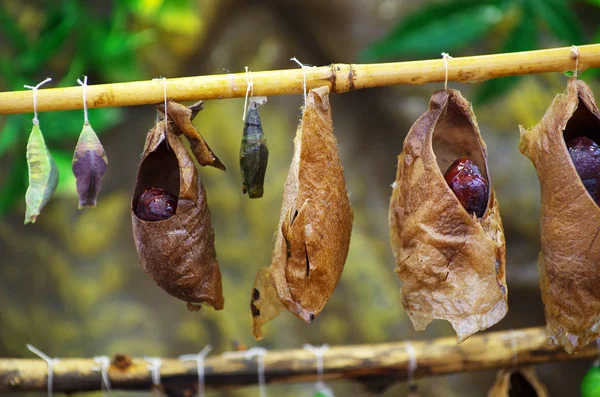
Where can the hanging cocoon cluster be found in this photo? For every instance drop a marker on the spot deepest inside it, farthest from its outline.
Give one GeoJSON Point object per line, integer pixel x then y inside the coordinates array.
{"type": "Point", "coordinates": [564, 149]}
{"type": "Point", "coordinates": [314, 228]}
{"type": "Point", "coordinates": [445, 226]}
{"type": "Point", "coordinates": [171, 220]}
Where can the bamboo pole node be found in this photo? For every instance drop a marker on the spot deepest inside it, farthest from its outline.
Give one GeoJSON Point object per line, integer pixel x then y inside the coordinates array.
{"type": "Point", "coordinates": [446, 56]}
{"type": "Point", "coordinates": [199, 359]}
{"type": "Point", "coordinates": [103, 365]}
{"type": "Point", "coordinates": [50, 361]}
{"type": "Point", "coordinates": [35, 89]}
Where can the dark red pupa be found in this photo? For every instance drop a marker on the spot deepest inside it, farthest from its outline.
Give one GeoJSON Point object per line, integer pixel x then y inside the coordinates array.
{"type": "Point", "coordinates": [468, 185]}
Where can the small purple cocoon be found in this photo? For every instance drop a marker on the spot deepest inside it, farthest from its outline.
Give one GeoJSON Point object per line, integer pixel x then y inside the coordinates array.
{"type": "Point", "coordinates": [89, 165]}
{"type": "Point", "coordinates": [88, 171]}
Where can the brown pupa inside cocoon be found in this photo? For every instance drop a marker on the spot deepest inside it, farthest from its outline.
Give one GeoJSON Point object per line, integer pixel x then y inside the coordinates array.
{"type": "Point", "coordinates": [451, 263]}
{"type": "Point", "coordinates": [570, 219]}
{"type": "Point", "coordinates": [178, 252]}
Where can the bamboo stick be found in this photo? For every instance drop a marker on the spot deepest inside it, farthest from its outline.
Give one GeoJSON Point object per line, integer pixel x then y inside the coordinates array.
{"type": "Point", "coordinates": [387, 362]}
{"type": "Point", "coordinates": [339, 77]}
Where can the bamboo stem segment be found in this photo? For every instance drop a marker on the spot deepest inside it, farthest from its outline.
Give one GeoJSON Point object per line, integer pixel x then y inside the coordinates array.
{"type": "Point", "coordinates": [339, 77]}
{"type": "Point", "coordinates": [384, 362]}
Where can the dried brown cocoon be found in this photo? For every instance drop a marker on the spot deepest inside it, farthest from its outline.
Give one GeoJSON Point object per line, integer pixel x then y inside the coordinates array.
{"type": "Point", "coordinates": [182, 117]}
{"type": "Point", "coordinates": [451, 263]}
{"type": "Point", "coordinates": [315, 224]}
{"type": "Point", "coordinates": [521, 382]}
{"type": "Point", "coordinates": [178, 252]}
{"type": "Point", "coordinates": [570, 220]}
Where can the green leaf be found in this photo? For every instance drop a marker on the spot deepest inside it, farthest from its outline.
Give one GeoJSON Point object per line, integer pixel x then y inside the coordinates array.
{"type": "Point", "coordinates": [43, 175]}
{"type": "Point", "coordinates": [437, 28]}
{"type": "Point", "coordinates": [593, 2]}
{"type": "Point", "coordinates": [522, 38]}
{"type": "Point", "coordinates": [560, 20]}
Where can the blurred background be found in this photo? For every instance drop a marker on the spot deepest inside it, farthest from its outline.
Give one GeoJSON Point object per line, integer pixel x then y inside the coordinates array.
{"type": "Point", "coordinates": [71, 285]}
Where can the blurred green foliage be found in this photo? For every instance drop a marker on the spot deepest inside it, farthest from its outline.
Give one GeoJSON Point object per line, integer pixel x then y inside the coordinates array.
{"type": "Point", "coordinates": [70, 38]}
{"type": "Point", "coordinates": [513, 25]}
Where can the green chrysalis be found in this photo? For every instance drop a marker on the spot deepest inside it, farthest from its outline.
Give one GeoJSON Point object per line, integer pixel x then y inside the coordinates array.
{"type": "Point", "coordinates": [89, 165]}
{"type": "Point", "coordinates": [43, 175]}
{"type": "Point", "coordinates": [590, 385]}
{"type": "Point", "coordinates": [254, 154]}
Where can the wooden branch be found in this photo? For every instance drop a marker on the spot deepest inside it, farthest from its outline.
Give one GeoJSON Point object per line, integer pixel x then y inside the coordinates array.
{"type": "Point", "coordinates": [367, 363]}
{"type": "Point", "coordinates": [339, 77]}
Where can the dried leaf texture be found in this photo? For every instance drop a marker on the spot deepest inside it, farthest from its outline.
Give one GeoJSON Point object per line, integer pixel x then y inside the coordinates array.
{"type": "Point", "coordinates": [315, 225]}
{"type": "Point", "coordinates": [182, 117]}
{"type": "Point", "coordinates": [179, 252]}
{"type": "Point", "coordinates": [521, 382]}
{"type": "Point", "coordinates": [89, 165]}
{"type": "Point", "coordinates": [570, 220]}
{"type": "Point", "coordinates": [43, 175]}
{"type": "Point", "coordinates": [451, 263]}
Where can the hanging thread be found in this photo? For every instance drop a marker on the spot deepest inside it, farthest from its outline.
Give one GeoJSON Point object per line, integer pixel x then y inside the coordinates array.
{"type": "Point", "coordinates": [84, 89]}
{"type": "Point", "coordinates": [259, 352]}
{"type": "Point", "coordinates": [318, 352]}
{"type": "Point", "coordinates": [164, 80]}
{"type": "Point", "coordinates": [304, 72]}
{"type": "Point", "coordinates": [103, 365]}
{"type": "Point", "coordinates": [446, 56]}
{"type": "Point", "coordinates": [50, 361]}
{"type": "Point", "coordinates": [322, 389]}
{"type": "Point", "coordinates": [249, 86]}
{"type": "Point", "coordinates": [154, 364]}
{"type": "Point", "coordinates": [412, 364]}
{"type": "Point", "coordinates": [35, 88]}
{"type": "Point", "coordinates": [199, 359]}
{"type": "Point", "coordinates": [575, 56]}
{"type": "Point", "coordinates": [249, 354]}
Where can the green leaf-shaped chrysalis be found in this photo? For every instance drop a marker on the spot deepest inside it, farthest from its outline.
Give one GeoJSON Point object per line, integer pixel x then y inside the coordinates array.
{"type": "Point", "coordinates": [89, 166]}
{"type": "Point", "coordinates": [254, 154]}
{"type": "Point", "coordinates": [43, 175]}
